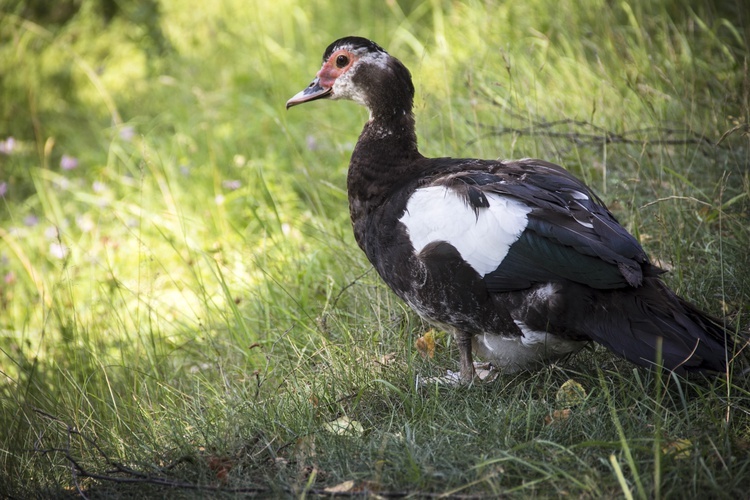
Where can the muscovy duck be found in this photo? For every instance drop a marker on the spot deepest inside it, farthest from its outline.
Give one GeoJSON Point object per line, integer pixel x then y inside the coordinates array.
{"type": "Point", "coordinates": [519, 260]}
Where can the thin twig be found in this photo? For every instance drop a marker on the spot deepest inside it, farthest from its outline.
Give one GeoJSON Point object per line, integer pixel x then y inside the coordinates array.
{"type": "Point", "coordinates": [119, 473]}
{"type": "Point", "coordinates": [602, 136]}
{"type": "Point", "coordinates": [347, 286]}
{"type": "Point", "coordinates": [324, 316]}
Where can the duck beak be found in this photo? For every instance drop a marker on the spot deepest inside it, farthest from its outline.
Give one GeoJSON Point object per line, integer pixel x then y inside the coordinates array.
{"type": "Point", "coordinates": [312, 92]}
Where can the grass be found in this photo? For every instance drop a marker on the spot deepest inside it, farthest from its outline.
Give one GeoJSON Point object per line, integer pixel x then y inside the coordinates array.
{"type": "Point", "coordinates": [185, 311]}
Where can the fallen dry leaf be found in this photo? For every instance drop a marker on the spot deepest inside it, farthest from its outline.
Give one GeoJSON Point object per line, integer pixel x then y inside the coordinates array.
{"type": "Point", "coordinates": [386, 359]}
{"type": "Point", "coordinates": [486, 372]}
{"type": "Point", "coordinates": [344, 426]}
{"type": "Point", "coordinates": [570, 394]}
{"type": "Point", "coordinates": [426, 344]}
{"type": "Point", "coordinates": [341, 487]}
{"type": "Point", "coordinates": [557, 416]}
{"type": "Point", "coordinates": [220, 466]}
{"type": "Point", "coordinates": [678, 448]}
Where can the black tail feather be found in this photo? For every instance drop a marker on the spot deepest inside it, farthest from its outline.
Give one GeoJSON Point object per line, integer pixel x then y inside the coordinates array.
{"type": "Point", "coordinates": [631, 321]}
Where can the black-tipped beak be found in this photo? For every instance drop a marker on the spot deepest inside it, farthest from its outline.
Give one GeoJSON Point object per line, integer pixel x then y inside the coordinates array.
{"type": "Point", "coordinates": [312, 92]}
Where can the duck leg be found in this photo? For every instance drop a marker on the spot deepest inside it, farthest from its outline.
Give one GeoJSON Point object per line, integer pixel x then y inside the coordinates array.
{"type": "Point", "coordinates": [467, 373]}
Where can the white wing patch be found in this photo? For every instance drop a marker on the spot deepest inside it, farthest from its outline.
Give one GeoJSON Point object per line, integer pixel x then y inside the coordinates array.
{"type": "Point", "coordinates": [437, 213]}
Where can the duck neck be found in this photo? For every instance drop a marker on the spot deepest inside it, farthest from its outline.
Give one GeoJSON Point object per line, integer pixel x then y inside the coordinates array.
{"type": "Point", "coordinates": [385, 154]}
{"type": "Point", "coordinates": [385, 157]}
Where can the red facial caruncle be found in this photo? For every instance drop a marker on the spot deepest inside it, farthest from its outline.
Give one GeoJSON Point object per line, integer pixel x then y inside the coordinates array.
{"type": "Point", "coordinates": [322, 86]}
{"type": "Point", "coordinates": [336, 65]}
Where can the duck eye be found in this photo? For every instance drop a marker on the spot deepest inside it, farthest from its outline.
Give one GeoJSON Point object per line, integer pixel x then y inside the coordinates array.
{"type": "Point", "coordinates": [342, 61]}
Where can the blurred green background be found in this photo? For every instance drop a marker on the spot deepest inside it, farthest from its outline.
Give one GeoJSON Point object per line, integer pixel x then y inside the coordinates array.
{"type": "Point", "coordinates": [179, 277]}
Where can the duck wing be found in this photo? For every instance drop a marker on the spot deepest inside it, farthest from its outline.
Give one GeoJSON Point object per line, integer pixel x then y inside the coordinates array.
{"type": "Point", "coordinates": [568, 233]}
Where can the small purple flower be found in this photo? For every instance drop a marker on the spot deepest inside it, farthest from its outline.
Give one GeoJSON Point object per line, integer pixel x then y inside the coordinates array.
{"type": "Point", "coordinates": [98, 187]}
{"type": "Point", "coordinates": [312, 142]}
{"type": "Point", "coordinates": [3, 189]}
{"type": "Point", "coordinates": [231, 185]}
{"type": "Point", "coordinates": [31, 220]}
{"type": "Point", "coordinates": [127, 133]}
{"type": "Point", "coordinates": [7, 146]}
{"type": "Point", "coordinates": [68, 162]}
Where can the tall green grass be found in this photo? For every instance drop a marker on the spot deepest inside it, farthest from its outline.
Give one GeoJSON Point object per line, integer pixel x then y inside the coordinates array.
{"type": "Point", "coordinates": [188, 303]}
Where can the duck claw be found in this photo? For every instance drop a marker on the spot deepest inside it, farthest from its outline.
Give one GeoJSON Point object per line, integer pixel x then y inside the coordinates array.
{"type": "Point", "coordinates": [483, 372]}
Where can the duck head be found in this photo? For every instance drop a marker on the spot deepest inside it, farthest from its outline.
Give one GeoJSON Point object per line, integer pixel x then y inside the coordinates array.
{"type": "Point", "coordinates": [358, 69]}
